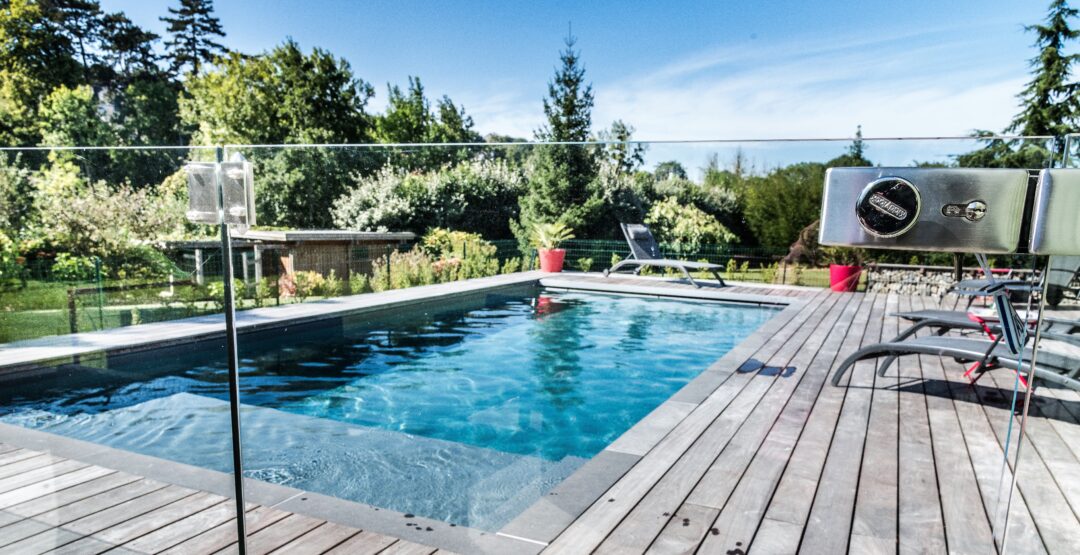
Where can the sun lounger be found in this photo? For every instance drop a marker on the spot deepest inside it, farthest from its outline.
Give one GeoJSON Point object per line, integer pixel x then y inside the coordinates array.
{"type": "Point", "coordinates": [645, 251]}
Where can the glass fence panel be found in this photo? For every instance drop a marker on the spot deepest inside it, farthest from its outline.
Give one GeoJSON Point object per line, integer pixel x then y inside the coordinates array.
{"type": "Point", "coordinates": [114, 407]}
{"type": "Point", "coordinates": [415, 371]}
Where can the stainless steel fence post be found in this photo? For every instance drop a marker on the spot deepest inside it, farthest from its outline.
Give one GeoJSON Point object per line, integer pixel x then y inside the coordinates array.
{"type": "Point", "coordinates": [234, 365]}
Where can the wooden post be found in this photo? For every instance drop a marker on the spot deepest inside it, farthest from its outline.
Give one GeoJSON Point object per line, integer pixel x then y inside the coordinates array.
{"type": "Point", "coordinates": [198, 267]}
{"type": "Point", "coordinates": [244, 263]}
{"type": "Point", "coordinates": [73, 314]}
{"type": "Point", "coordinates": [258, 264]}
{"type": "Point", "coordinates": [388, 281]}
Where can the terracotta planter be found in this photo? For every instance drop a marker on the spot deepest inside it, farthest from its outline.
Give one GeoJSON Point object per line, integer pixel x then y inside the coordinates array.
{"type": "Point", "coordinates": [551, 260]}
{"type": "Point", "coordinates": [844, 278]}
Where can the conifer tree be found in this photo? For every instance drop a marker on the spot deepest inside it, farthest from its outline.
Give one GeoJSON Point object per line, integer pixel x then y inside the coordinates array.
{"type": "Point", "coordinates": [1050, 104]}
{"type": "Point", "coordinates": [561, 187]}
{"type": "Point", "coordinates": [192, 30]}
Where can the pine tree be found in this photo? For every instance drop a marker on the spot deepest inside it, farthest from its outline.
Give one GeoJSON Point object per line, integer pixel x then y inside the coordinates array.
{"type": "Point", "coordinates": [1050, 104]}
{"type": "Point", "coordinates": [561, 183]}
{"type": "Point", "coordinates": [192, 30]}
{"type": "Point", "coordinates": [80, 22]}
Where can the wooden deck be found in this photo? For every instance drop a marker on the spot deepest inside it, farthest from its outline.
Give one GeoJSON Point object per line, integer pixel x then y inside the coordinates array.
{"type": "Point", "coordinates": [50, 504]}
{"type": "Point", "coordinates": [774, 459]}
{"type": "Point", "coordinates": [908, 462]}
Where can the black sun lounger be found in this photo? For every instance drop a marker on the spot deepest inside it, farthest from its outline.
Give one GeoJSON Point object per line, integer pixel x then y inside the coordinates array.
{"type": "Point", "coordinates": [645, 251]}
{"type": "Point", "coordinates": [1058, 367]}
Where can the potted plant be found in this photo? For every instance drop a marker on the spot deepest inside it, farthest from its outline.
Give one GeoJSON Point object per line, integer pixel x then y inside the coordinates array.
{"type": "Point", "coordinates": [845, 267]}
{"type": "Point", "coordinates": [547, 238]}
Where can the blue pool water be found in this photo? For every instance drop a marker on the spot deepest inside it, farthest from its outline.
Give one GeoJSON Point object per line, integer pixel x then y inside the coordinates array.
{"type": "Point", "coordinates": [466, 413]}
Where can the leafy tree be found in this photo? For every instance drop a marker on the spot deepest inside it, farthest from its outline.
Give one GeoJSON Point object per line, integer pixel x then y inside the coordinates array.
{"type": "Point", "coordinates": [192, 30]}
{"type": "Point", "coordinates": [283, 96]}
{"type": "Point", "coordinates": [855, 156]}
{"type": "Point", "coordinates": [561, 176]}
{"type": "Point", "coordinates": [625, 156]}
{"type": "Point", "coordinates": [410, 119]}
{"type": "Point", "coordinates": [671, 168]}
{"type": "Point", "coordinates": [147, 113]}
{"type": "Point", "coordinates": [16, 196]}
{"type": "Point", "coordinates": [69, 117]}
{"type": "Point", "coordinates": [685, 229]}
{"type": "Point", "coordinates": [297, 187]}
{"type": "Point", "coordinates": [783, 202]}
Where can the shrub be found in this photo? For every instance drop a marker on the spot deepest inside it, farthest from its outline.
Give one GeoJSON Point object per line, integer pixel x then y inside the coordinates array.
{"type": "Point", "coordinates": [332, 286]}
{"type": "Point", "coordinates": [785, 201]}
{"type": "Point", "coordinates": [511, 265]}
{"type": "Point", "coordinates": [9, 259]}
{"type": "Point", "coordinates": [685, 229]}
{"type": "Point", "coordinates": [359, 283]}
{"type": "Point", "coordinates": [406, 269]}
{"type": "Point", "coordinates": [308, 283]}
{"type": "Point", "coordinates": [464, 255]}
{"type": "Point", "coordinates": [584, 264]}
{"type": "Point", "coordinates": [71, 268]}
{"type": "Point", "coordinates": [729, 271]}
{"type": "Point", "coordinates": [265, 289]}
{"type": "Point", "coordinates": [768, 273]}
{"type": "Point", "coordinates": [478, 196]}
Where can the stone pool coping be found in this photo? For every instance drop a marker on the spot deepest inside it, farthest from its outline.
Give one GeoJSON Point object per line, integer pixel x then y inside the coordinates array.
{"type": "Point", "coordinates": [529, 532]}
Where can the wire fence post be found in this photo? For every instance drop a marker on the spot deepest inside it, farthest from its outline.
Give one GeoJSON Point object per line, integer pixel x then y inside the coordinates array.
{"type": "Point", "coordinates": [388, 281]}
{"type": "Point", "coordinates": [73, 315]}
{"type": "Point", "coordinates": [783, 276]}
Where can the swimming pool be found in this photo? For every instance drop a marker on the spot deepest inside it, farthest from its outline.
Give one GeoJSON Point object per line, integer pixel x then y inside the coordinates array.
{"type": "Point", "coordinates": [466, 411]}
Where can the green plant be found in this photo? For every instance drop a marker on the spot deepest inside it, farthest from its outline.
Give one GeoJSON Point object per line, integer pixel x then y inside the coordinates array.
{"type": "Point", "coordinates": [307, 283]}
{"type": "Point", "coordinates": [511, 265]}
{"type": "Point", "coordinates": [686, 228]}
{"type": "Point", "coordinates": [70, 268]}
{"type": "Point", "coordinates": [729, 270]}
{"type": "Point", "coordinates": [584, 264]}
{"type": "Point", "coordinates": [744, 268]}
{"type": "Point", "coordinates": [265, 290]}
{"type": "Point", "coordinates": [550, 235]}
{"type": "Point", "coordinates": [769, 273]}
{"type": "Point", "coordinates": [844, 256]}
{"type": "Point", "coordinates": [359, 283]}
{"type": "Point", "coordinates": [332, 285]}
{"type": "Point", "coordinates": [615, 259]}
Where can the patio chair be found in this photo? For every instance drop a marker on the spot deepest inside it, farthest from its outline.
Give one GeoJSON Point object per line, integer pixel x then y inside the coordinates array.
{"type": "Point", "coordinates": [645, 251]}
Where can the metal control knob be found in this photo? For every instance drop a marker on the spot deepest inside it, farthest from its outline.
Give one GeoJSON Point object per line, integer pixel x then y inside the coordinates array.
{"type": "Point", "coordinates": [888, 207]}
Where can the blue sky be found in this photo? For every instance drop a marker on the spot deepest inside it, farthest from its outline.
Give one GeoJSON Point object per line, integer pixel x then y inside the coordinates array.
{"type": "Point", "coordinates": [677, 69]}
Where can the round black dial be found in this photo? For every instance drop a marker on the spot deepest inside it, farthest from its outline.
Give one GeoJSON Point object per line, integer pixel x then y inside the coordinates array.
{"type": "Point", "coordinates": [888, 207]}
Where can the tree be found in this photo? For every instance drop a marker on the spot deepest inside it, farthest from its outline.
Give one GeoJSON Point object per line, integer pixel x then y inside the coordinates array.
{"type": "Point", "coordinates": [781, 203]}
{"type": "Point", "coordinates": [671, 168]}
{"type": "Point", "coordinates": [128, 48]}
{"type": "Point", "coordinates": [855, 155]}
{"type": "Point", "coordinates": [561, 176]}
{"type": "Point", "coordinates": [409, 119]}
{"type": "Point", "coordinates": [192, 30]}
{"type": "Point", "coordinates": [30, 47]}
{"type": "Point", "coordinates": [685, 229]}
{"type": "Point", "coordinates": [80, 23]}
{"type": "Point", "coordinates": [1050, 104]}
{"type": "Point", "coordinates": [69, 117]}
{"type": "Point", "coordinates": [283, 96]}
{"type": "Point", "coordinates": [623, 155]}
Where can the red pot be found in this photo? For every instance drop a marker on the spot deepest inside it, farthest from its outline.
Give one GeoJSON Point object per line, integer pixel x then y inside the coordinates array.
{"type": "Point", "coordinates": [551, 260]}
{"type": "Point", "coordinates": [844, 278]}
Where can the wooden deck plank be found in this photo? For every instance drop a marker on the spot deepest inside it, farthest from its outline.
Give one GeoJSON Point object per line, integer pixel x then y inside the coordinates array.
{"type": "Point", "coordinates": [920, 523]}
{"type": "Point", "coordinates": [105, 500]}
{"type": "Point", "coordinates": [364, 543]}
{"type": "Point", "coordinates": [222, 536]}
{"type": "Point", "coordinates": [590, 529]}
{"type": "Point", "coordinates": [1053, 517]}
{"type": "Point", "coordinates": [187, 527]}
{"type": "Point", "coordinates": [39, 474]}
{"type": "Point", "coordinates": [18, 455]}
{"type": "Point", "coordinates": [876, 499]}
{"type": "Point", "coordinates": [158, 518]}
{"type": "Point", "coordinates": [128, 510]}
{"type": "Point", "coordinates": [33, 460]}
{"type": "Point", "coordinates": [684, 530]}
{"type": "Point", "coordinates": [828, 527]}
{"type": "Point", "coordinates": [712, 452]}
{"type": "Point", "coordinates": [318, 541]}
{"type": "Point", "coordinates": [407, 548]}
{"type": "Point", "coordinates": [280, 533]}
{"type": "Point", "coordinates": [744, 509]}
{"type": "Point", "coordinates": [793, 497]}
{"type": "Point", "coordinates": [50, 488]}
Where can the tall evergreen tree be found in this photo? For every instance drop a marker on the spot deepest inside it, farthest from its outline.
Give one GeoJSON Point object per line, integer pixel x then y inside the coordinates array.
{"type": "Point", "coordinates": [192, 30]}
{"type": "Point", "coordinates": [1050, 104]}
{"type": "Point", "coordinates": [80, 22]}
{"type": "Point", "coordinates": [561, 183]}
{"type": "Point", "coordinates": [128, 48]}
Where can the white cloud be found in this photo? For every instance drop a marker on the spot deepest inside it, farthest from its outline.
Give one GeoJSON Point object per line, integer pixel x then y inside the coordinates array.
{"type": "Point", "coordinates": [925, 84]}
